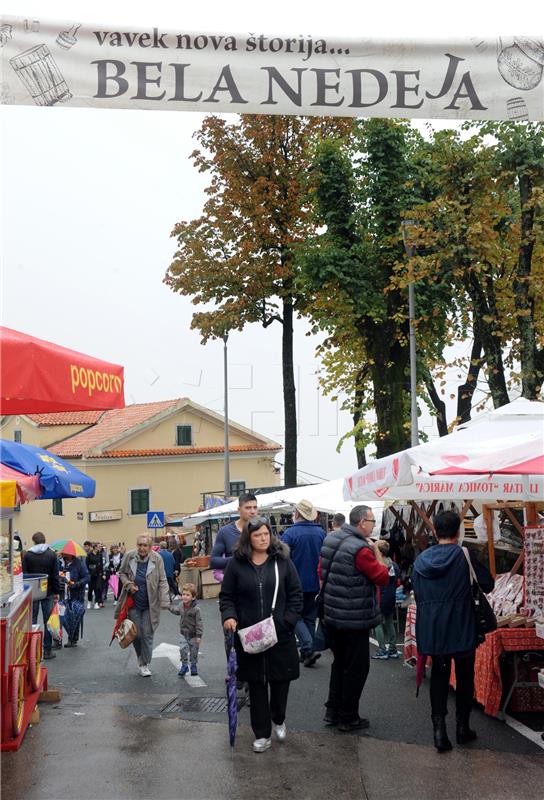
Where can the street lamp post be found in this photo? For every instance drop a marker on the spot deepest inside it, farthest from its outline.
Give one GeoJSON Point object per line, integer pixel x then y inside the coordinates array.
{"type": "Point", "coordinates": [410, 249]}
{"type": "Point", "coordinates": [226, 417]}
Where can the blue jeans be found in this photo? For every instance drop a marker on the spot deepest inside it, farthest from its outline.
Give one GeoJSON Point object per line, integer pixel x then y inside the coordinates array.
{"type": "Point", "coordinates": [47, 605]}
{"type": "Point", "coordinates": [305, 627]}
{"type": "Point", "coordinates": [387, 630]}
{"type": "Point", "coordinates": [188, 650]}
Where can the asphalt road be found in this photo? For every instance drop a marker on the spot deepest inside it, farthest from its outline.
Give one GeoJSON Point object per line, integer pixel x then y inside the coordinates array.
{"type": "Point", "coordinates": [116, 735]}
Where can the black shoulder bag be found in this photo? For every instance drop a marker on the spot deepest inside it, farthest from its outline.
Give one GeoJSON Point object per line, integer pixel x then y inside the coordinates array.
{"type": "Point", "coordinates": [484, 616]}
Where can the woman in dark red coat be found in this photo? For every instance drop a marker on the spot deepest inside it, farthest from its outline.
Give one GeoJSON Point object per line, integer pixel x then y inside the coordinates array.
{"type": "Point", "coordinates": [246, 597]}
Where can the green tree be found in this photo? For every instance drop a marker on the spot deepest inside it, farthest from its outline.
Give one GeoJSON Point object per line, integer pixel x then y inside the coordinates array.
{"type": "Point", "coordinates": [239, 254]}
{"type": "Point", "coordinates": [482, 236]}
{"type": "Point", "coordinates": [362, 191]}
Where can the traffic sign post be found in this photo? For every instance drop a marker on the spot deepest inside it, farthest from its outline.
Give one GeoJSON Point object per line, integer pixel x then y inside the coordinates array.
{"type": "Point", "coordinates": [155, 519]}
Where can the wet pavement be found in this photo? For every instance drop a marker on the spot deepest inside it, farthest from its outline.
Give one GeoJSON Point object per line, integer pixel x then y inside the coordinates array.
{"type": "Point", "coordinates": [109, 738]}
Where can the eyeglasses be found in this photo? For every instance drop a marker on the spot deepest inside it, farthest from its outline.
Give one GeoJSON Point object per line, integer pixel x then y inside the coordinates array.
{"type": "Point", "coordinates": [373, 521]}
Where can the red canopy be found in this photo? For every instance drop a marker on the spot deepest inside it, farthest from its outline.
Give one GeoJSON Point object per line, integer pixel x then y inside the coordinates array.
{"type": "Point", "coordinates": [37, 377]}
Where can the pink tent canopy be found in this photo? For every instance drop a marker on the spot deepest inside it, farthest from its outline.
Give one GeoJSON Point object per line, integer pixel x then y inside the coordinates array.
{"type": "Point", "coordinates": [498, 455]}
{"type": "Point", "coordinates": [27, 486]}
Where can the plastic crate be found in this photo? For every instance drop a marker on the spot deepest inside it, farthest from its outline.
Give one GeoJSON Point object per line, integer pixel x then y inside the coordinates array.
{"type": "Point", "coordinates": [527, 698]}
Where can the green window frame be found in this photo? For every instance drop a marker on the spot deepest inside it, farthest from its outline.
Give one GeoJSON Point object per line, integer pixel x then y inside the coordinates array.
{"type": "Point", "coordinates": [56, 507]}
{"type": "Point", "coordinates": [184, 435]}
{"type": "Point", "coordinates": [236, 488]}
{"type": "Point", "coordinates": [139, 501]}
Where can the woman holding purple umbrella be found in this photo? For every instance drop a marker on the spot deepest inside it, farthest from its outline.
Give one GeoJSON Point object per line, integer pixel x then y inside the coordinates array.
{"type": "Point", "coordinates": [246, 598]}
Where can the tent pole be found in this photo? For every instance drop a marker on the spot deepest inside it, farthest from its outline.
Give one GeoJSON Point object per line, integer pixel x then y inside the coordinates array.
{"type": "Point", "coordinates": [488, 517]}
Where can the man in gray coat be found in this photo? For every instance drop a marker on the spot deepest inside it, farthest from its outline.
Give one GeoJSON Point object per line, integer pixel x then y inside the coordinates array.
{"type": "Point", "coordinates": [142, 576]}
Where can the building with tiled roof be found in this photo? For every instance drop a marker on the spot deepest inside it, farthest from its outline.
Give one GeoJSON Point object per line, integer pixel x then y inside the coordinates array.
{"type": "Point", "coordinates": [158, 456]}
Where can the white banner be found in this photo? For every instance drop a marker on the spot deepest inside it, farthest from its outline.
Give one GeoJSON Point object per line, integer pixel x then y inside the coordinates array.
{"type": "Point", "coordinates": [78, 64]}
{"type": "Point", "coordinates": [449, 487]}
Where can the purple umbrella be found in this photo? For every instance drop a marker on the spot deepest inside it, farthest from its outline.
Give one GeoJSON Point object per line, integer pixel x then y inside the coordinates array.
{"type": "Point", "coordinates": [230, 680]}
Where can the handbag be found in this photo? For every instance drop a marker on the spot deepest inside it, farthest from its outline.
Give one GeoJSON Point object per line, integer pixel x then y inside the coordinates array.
{"type": "Point", "coordinates": [262, 635]}
{"type": "Point", "coordinates": [126, 633]}
{"type": "Point", "coordinates": [321, 638]}
{"type": "Point", "coordinates": [484, 616]}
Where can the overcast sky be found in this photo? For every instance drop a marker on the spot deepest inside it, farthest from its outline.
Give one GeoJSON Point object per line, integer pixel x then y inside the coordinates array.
{"type": "Point", "coordinates": [89, 198]}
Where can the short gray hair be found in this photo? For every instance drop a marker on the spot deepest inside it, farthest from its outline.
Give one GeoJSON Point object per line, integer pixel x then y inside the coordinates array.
{"type": "Point", "coordinates": [358, 513]}
{"type": "Point", "coordinates": [146, 536]}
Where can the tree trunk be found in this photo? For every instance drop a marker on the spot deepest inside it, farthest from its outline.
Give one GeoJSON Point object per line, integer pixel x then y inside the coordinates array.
{"type": "Point", "coordinates": [484, 306]}
{"type": "Point", "coordinates": [530, 380]}
{"type": "Point", "coordinates": [465, 392]}
{"type": "Point", "coordinates": [289, 395]}
{"type": "Point", "coordinates": [440, 406]}
{"type": "Point", "coordinates": [358, 412]}
{"type": "Point", "coordinates": [389, 369]}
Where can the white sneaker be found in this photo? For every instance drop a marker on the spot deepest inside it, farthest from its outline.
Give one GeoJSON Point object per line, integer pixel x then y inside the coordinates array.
{"type": "Point", "coordinates": [280, 731]}
{"type": "Point", "coordinates": [260, 745]}
{"type": "Point", "coordinates": [145, 672]}
{"type": "Point", "coordinates": [89, 605]}
{"type": "Point", "coordinates": [96, 605]}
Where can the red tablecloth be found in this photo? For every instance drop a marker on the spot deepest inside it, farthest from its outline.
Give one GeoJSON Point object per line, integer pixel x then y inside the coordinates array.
{"type": "Point", "coordinates": [410, 648]}
{"type": "Point", "coordinates": [487, 671]}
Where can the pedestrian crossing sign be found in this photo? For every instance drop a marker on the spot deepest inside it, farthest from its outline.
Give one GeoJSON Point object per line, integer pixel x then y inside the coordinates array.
{"type": "Point", "coordinates": [155, 519]}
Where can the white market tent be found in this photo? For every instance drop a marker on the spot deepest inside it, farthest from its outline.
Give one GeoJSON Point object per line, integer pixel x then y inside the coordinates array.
{"type": "Point", "coordinates": [326, 497]}
{"type": "Point", "coordinates": [497, 456]}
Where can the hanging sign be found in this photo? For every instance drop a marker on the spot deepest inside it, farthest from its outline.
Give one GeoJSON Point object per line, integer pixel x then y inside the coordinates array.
{"type": "Point", "coordinates": [71, 63]}
{"type": "Point", "coordinates": [533, 569]}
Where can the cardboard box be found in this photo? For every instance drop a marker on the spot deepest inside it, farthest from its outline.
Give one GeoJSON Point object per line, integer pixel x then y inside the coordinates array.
{"type": "Point", "coordinates": [207, 578]}
{"type": "Point", "coordinates": [210, 591]}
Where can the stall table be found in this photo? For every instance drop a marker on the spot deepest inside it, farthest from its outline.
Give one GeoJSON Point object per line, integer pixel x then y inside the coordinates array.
{"type": "Point", "coordinates": [488, 685]}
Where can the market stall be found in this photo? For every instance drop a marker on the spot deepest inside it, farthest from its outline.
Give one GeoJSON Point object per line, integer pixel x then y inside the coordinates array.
{"type": "Point", "coordinates": [22, 678]}
{"type": "Point", "coordinates": [36, 376]}
{"type": "Point", "coordinates": [496, 462]}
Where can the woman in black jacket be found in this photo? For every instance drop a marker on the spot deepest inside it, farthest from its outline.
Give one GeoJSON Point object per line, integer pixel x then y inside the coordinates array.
{"type": "Point", "coordinates": [246, 598]}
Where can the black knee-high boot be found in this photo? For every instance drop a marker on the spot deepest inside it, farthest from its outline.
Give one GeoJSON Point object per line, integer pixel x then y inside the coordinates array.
{"type": "Point", "coordinates": [464, 732]}
{"type": "Point", "coordinates": [441, 741]}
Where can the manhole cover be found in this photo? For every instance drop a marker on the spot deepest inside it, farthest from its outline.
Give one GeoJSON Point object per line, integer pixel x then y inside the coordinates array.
{"type": "Point", "coordinates": [200, 705]}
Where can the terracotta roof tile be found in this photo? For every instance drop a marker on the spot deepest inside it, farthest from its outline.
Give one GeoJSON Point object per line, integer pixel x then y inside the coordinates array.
{"type": "Point", "coordinates": [111, 425]}
{"type": "Point", "coordinates": [187, 451]}
{"type": "Point", "coordinates": [67, 418]}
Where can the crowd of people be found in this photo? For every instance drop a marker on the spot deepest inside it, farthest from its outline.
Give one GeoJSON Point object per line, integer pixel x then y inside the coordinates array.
{"type": "Point", "coordinates": [344, 581]}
